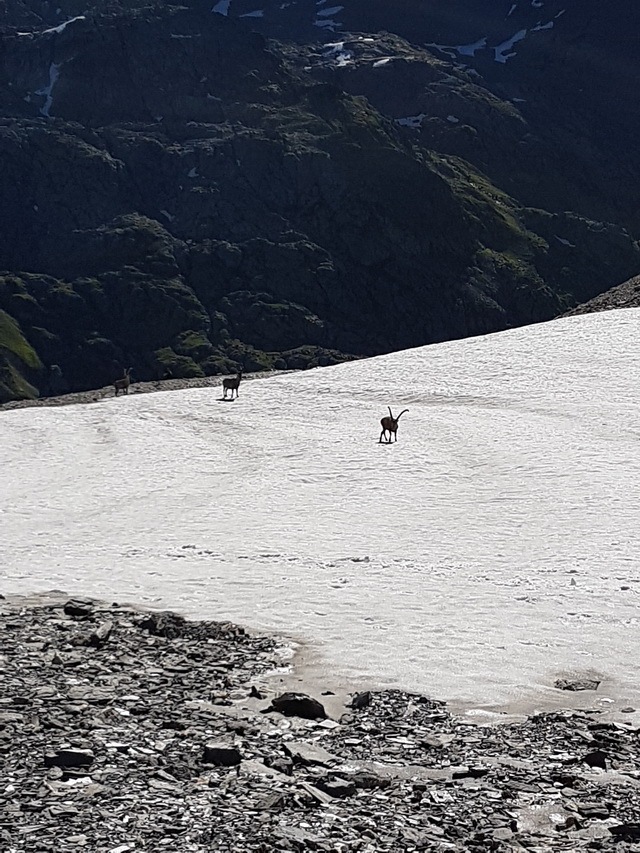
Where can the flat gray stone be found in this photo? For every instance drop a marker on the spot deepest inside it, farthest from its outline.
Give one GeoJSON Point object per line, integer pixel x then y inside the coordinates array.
{"type": "Point", "coordinates": [308, 753]}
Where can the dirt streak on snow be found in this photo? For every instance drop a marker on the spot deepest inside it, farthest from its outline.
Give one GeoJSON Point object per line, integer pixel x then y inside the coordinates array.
{"type": "Point", "coordinates": [494, 548]}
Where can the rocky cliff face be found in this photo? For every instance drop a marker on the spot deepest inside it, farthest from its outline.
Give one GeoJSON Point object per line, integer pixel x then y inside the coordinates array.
{"type": "Point", "coordinates": [187, 191]}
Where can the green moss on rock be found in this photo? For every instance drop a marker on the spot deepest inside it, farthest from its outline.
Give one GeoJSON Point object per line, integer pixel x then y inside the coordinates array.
{"type": "Point", "coordinates": [18, 362]}
{"type": "Point", "coordinates": [194, 345]}
{"type": "Point", "coordinates": [13, 341]}
{"type": "Point", "coordinates": [13, 385]}
{"type": "Point", "coordinates": [169, 363]}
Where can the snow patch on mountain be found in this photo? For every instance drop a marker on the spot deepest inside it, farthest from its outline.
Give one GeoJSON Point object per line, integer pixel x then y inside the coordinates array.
{"type": "Point", "coordinates": [473, 48]}
{"type": "Point", "coordinates": [61, 27]}
{"type": "Point", "coordinates": [490, 550]}
{"type": "Point", "coordinates": [412, 121]}
{"type": "Point", "coordinates": [538, 27]}
{"type": "Point", "coordinates": [222, 7]}
{"type": "Point", "coordinates": [47, 91]}
{"type": "Point", "coordinates": [334, 53]}
{"type": "Point", "coordinates": [333, 10]}
{"type": "Point", "coordinates": [500, 52]}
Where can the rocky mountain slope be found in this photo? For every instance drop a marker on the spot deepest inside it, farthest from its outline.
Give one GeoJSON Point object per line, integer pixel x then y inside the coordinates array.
{"type": "Point", "coordinates": [187, 190]}
{"type": "Point", "coordinates": [625, 295]}
{"type": "Point", "coordinates": [137, 751]}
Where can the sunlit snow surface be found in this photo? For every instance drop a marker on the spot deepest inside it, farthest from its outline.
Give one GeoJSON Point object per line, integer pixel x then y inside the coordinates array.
{"type": "Point", "coordinates": [494, 548]}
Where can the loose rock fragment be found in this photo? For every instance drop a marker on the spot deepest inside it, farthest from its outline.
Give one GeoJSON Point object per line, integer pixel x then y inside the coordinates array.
{"type": "Point", "coordinates": [308, 753]}
{"type": "Point", "coordinates": [597, 810]}
{"type": "Point", "coordinates": [628, 832]}
{"type": "Point", "coordinates": [79, 607]}
{"type": "Point", "coordinates": [361, 700]}
{"type": "Point", "coordinates": [272, 802]}
{"type": "Point", "coordinates": [597, 758]}
{"type": "Point", "coordinates": [165, 624]}
{"type": "Point", "coordinates": [69, 758]}
{"type": "Point", "coordinates": [316, 793]}
{"type": "Point", "coordinates": [298, 705]}
{"type": "Point", "coordinates": [127, 724]}
{"type": "Point", "coordinates": [281, 765]}
{"type": "Point", "coordinates": [221, 755]}
{"type": "Point", "coordinates": [576, 684]}
{"type": "Point", "coordinates": [336, 787]}
{"type": "Point", "coordinates": [102, 633]}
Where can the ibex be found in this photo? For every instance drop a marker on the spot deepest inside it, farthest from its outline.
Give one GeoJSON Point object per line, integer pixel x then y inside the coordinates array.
{"type": "Point", "coordinates": [390, 425]}
{"type": "Point", "coordinates": [232, 385]}
{"type": "Point", "coordinates": [123, 384]}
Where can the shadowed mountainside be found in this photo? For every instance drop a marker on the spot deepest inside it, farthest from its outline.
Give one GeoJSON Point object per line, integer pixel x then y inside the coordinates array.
{"type": "Point", "coordinates": [185, 195]}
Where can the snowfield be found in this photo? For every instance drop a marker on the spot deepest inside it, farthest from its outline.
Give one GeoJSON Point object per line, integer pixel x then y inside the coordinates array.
{"type": "Point", "coordinates": [493, 549]}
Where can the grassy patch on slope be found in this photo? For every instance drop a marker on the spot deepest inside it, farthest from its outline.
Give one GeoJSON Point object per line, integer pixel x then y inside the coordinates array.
{"type": "Point", "coordinates": [15, 352]}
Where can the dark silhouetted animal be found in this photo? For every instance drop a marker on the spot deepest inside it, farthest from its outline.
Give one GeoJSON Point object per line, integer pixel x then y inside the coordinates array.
{"type": "Point", "coordinates": [390, 425]}
{"type": "Point", "coordinates": [123, 384]}
{"type": "Point", "coordinates": [231, 385]}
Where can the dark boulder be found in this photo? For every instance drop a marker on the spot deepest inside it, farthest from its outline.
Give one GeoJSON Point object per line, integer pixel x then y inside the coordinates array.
{"type": "Point", "coordinates": [298, 705]}
{"type": "Point", "coordinates": [69, 758]}
{"type": "Point", "coordinates": [165, 624]}
{"type": "Point", "coordinates": [80, 608]}
{"type": "Point", "coordinates": [222, 755]}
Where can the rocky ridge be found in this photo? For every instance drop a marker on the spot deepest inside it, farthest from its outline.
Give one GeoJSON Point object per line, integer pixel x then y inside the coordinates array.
{"type": "Point", "coordinates": [97, 394]}
{"type": "Point", "coordinates": [625, 295]}
{"type": "Point", "coordinates": [123, 731]}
